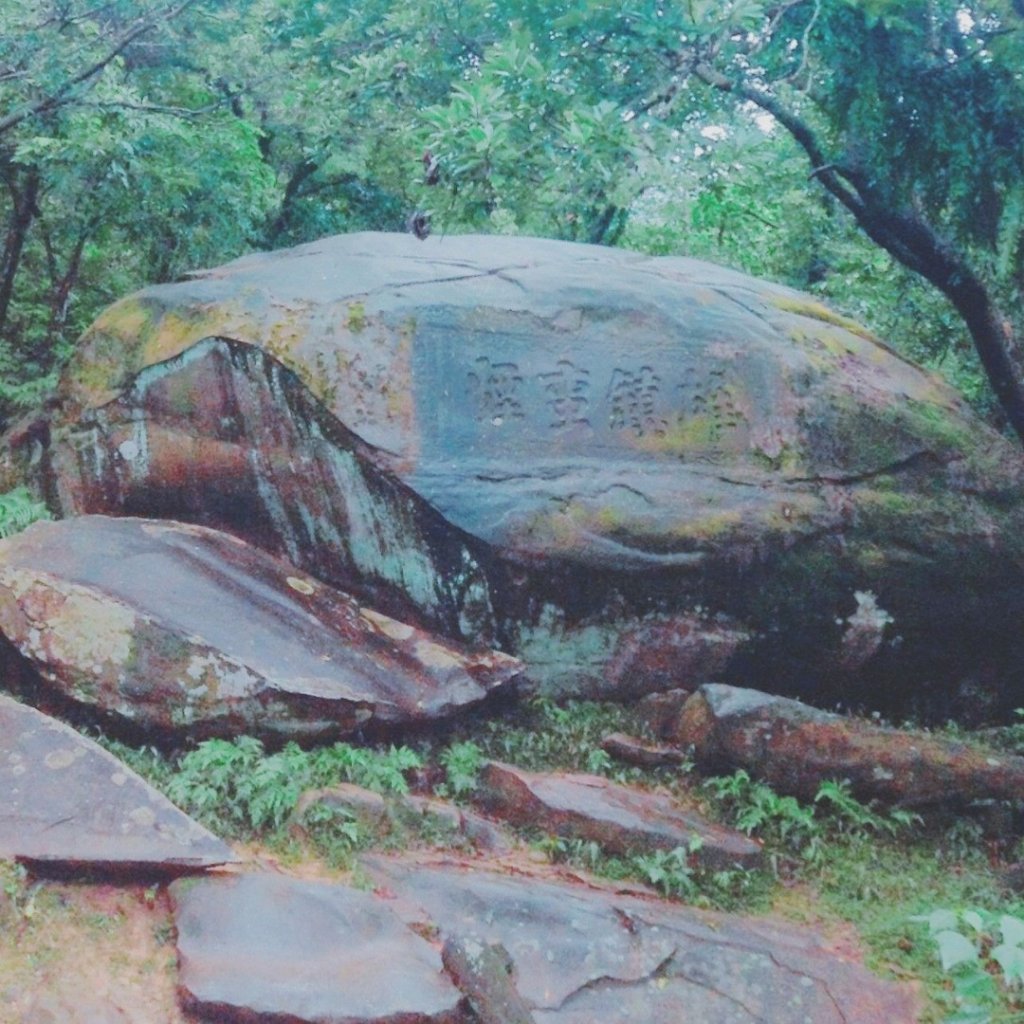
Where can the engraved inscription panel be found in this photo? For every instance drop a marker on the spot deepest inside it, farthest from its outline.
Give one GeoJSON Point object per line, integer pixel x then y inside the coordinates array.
{"type": "Point", "coordinates": [548, 398]}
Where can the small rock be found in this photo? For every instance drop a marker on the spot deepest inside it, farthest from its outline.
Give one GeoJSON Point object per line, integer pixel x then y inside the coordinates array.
{"type": "Point", "coordinates": [660, 711]}
{"type": "Point", "coordinates": [619, 818]}
{"type": "Point", "coordinates": [635, 751]}
{"type": "Point", "coordinates": [481, 832]}
{"type": "Point", "coordinates": [366, 807]}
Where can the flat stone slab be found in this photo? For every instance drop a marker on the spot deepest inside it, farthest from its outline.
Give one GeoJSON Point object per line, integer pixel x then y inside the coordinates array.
{"type": "Point", "coordinates": [795, 747]}
{"type": "Point", "coordinates": [263, 947]}
{"type": "Point", "coordinates": [179, 628]}
{"type": "Point", "coordinates": [621, 819]}
{"type": "Point", "coordinates": [584, 954]}
{"type": "Point", "coordinates": [68, 801]}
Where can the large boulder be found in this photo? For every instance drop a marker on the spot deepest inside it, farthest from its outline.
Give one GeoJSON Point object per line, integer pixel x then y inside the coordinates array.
{"type": "Point", "coordinates": [170, 629]}
{"type": "Point", "coordinates": [631, 472]}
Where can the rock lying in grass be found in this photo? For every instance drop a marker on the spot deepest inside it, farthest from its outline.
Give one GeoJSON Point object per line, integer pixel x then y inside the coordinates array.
{"type": "Point", "coordinates": [620, 819]}
{"type": "Point", "coordinates": [660, 711]}
{"type": "Point", "coordinates": [794, 748]}
{"type": "Point", "coordinates": [181, 630]}
{"type": "Point", "coordinates": [635, 751]}
{"type": "Point", "coordinates": [262, 947]}
{"type": "Point", "coordinates": [67, 802]}
{"type": "Point", "coordinates": [581, 953]}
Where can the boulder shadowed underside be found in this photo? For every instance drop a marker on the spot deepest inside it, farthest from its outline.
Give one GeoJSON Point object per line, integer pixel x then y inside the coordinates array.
{"type": "Point", "coordinates": [633, 473]}
{"type": "Point", "coordinates": [67, 802]}
{"type": "Point", "coordinates": [177, 629]}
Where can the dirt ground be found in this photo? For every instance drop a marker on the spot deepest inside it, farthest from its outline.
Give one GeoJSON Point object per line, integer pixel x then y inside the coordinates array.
{"type": "Point", "coordinates": [86, 954]}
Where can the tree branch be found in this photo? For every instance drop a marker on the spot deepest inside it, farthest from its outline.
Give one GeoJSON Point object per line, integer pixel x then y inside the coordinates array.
{"type": "Point", "coordinates": [61, 95]}
{"type": "Point", "coordinates": [910, 240]}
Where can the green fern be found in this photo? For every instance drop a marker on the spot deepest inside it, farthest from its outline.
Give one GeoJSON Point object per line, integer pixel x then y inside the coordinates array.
{"type": "Point", "coordinates": [18, 509]}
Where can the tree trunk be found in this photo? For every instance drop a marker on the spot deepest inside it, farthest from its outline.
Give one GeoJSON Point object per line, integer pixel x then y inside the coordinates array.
{"type": "Point", "coordinates": [23, 212]}
{"type": "Point", "coordinates": [911, 241]}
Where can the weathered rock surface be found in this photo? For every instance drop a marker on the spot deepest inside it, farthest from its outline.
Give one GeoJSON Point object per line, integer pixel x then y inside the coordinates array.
{"type": "Point", "coordinates": [794, 748]}
{"type": "Point", "coordinates": [261, 947]}
{"type": "Point", "coordinates": [175, 627]}
{"type": "Point", "coordinates": [68, 802]}
{"type": "Point", "coordinates": [582, 954]}
{"type": "Point", "coordinates": [660, 711]}
{"type": "Point", "coordinates": [619, 818]}
{"type": "Point", "coordinates": [564, 451]}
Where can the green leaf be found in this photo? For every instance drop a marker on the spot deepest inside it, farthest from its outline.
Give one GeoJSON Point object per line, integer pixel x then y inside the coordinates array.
{"type": "Point", "coordinates": [974, 919]}
{"type": "Point", "coordinates": [1012, 929]}
{"type": "Point", "coordinates": [1011, 960]}
{"type": "Point", "coordinates": [954, 949]}
{"type": "Point", "coordinates": [939, 920]}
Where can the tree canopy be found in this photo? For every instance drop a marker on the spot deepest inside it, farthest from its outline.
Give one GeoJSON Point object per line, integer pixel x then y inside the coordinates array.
{"type": "Point", "coordinates": [869, 150]}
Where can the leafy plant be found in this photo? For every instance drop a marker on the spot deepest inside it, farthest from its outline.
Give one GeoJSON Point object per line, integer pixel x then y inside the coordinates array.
{"type": "Point", "coordinates": [235, 785]}
{"type": "Point", "coordinates": [18, 509]}
{"type": "Point", "coordinates": [561, 736]}
{"type": "Point", "coordinates": [19, 894]}
{"type": "Point", "coordinates": [670, 871]}
{"type": "Point", "coordinates": [675, 873]}
{"type": "Point", "coordinates": [799, 828]}
{"type": "Point", "coordinates": [336, 831]}
{"type": "Point", "coordinates": [983, 953]}
{"type": "Point", "coordinates": [461, 762]}
{"type": "Point", "coordinates": [755, 808]}
{"type": "Point", "coordinates": [849, 814]}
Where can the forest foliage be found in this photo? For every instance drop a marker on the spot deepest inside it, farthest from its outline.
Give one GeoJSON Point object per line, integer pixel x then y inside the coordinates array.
{"type": "Point", "coordinates": [867, 150]}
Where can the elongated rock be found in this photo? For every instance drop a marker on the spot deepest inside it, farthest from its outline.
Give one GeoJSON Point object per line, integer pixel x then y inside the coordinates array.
{"type": "Point", "coordinates": [795, 748]}
{"type": "Point", "coordinates": [260, 947]}
{"type": "Point", "coordinates": [68, 802]}
{"type": "Point", "coordinates": [180, 629]}
{"type": "Point", "coordinates": [619, 818]}
{"type": "Point", "coordinates": [582, 954]}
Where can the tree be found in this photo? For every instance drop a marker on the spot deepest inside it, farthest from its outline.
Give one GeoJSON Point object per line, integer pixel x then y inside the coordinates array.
{"type": "Point", "coordinates": [115, 155]}
{"type": "Point", "coordinates": [908, 115]}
